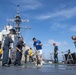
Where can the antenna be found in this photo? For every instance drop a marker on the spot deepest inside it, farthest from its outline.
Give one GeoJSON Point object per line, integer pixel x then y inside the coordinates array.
{"type": "Point", "coordinates": [18, 9]}
{"type": "Point", "coordinates": [18, 20]}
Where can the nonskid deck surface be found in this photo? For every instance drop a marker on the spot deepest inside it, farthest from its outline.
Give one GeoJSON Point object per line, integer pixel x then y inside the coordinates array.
{"type": "Point", "coordinates": [46, 69]}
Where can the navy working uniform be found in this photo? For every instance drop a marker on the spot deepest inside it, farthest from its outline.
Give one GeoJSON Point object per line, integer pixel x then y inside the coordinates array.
{"type": "Point", "coordinates": [26, 53]}
{"type": "Point", "coordinates": [19, 54]}
{"type": "Point", "coordinates": [6, 47]}
{"type": "Point", "coordinates": [56, 54]}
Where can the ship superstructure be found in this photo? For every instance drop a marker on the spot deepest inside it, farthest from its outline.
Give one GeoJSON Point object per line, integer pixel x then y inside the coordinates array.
{"type": "Point", "coordinates": [13, 31]}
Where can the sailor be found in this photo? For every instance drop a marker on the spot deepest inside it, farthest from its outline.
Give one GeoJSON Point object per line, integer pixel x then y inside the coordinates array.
{"type": "Point", "coordinates": [26, 55]}
{"type": "Point", "coordinates": [38, 48]}
{"type": "Point", "coordinates": [31, 55]}
{"type": "Point", "coordinates": [6, 47]}
{"type": "Point", "coordinates": [0, 53]}
{"type": "Point", "coordinates": [19, 51]}
{"type": "Point", "coordinates": [55, 53]}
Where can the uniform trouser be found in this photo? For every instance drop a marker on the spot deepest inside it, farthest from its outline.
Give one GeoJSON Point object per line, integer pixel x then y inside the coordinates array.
{"type": "Point", "coordinates": [5, 54]}
{"type": "Point", "coordinates": [0, 56]}
{"type": "Point", "coordinates": [55, 58]}
{"type": "Point", "coordinates": [31, 58]}
{"type": "Point", "coordinates": [26, 59]}
{"type": "Point", "coordinates": [18, 58]}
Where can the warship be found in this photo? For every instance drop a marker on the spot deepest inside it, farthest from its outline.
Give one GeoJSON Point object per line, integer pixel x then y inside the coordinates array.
{"type": "Point", "coordinates": [14, 32]}
{"type": "Point", "coordinates": [47, 68]}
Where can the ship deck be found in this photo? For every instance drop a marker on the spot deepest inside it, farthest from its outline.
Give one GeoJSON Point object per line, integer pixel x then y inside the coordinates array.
{"type": "Point", "coordinates": [46, 69]}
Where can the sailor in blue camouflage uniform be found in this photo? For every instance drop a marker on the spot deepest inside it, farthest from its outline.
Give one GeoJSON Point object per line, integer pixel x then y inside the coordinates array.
{"type": "Point", "coordinates": [19, 51]}
{"type": "Point", "coordinates": [6, 47]}
{"type": "Point", "coordinates": [55, 53]}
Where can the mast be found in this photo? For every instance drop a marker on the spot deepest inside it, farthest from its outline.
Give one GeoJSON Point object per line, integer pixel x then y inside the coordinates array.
{"type": "Point", "coordinates": [18, 21]}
